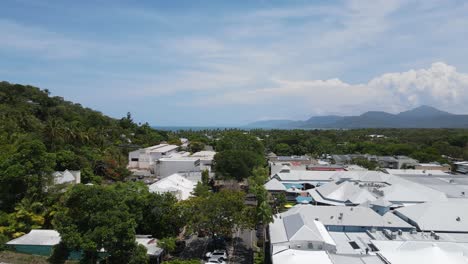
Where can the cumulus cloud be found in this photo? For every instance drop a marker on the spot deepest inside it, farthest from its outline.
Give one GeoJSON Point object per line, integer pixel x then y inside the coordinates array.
{"type": "Point", "coordinates": [440, 85]}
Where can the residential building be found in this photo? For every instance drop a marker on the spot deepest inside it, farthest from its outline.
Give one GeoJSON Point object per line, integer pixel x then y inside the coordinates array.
{"type": "Point", "coordinates": [176, 184]}
{"type": "Point", "coordinates": [348, 218]}
{"type": "Point", "coordinates": [433, 166]}
{"type": "Point", "coordinates": [461, 166]}
{"type": "Point", "coordinates": [67, 177]}
{"type": "Point", "coordinates": [448, 216]}
{"type": "Point", "coordinates": [146, 157]}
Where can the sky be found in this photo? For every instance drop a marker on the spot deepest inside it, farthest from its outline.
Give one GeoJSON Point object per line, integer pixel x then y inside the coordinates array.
{"type": "Point", "coordinates": [228, 63]}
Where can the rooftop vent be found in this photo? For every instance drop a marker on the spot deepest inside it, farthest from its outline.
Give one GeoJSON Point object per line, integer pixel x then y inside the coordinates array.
{"type": "Point", "coordinates": [458, 219]}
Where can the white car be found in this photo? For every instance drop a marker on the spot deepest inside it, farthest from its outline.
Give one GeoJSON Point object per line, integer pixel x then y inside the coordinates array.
{"type": "Point", "coordinates": [215, 260]}
{"type": "Point", "coordinates": [217, 254]}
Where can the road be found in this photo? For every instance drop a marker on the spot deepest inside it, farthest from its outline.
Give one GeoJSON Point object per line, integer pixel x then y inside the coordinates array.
{"type": "Point", "coordinates": [241, 250]}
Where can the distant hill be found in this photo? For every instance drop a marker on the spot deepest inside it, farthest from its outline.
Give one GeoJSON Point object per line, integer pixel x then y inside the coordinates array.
{"type": "Point", "coordinates": [420, 117]}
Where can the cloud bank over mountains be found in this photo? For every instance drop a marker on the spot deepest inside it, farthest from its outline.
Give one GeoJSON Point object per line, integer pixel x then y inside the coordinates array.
{"type": "Point", "coordinates": [232, 62]}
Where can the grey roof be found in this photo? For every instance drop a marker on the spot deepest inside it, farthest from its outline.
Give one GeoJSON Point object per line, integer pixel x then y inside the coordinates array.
{"type": "Point", "coordinates": [274, 185]}
{"type": "Point", "coordinates": [347, 216]}
{"type": "Point", "coordinates": [450, 216]}
{"type": "Point", "coordinates": [295, 227]}
{"type": "Point", "coordinates": [345, 192]}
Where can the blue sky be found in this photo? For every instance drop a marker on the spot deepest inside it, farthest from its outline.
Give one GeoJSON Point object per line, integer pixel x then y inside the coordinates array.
{"type": "Point", "coordinates": [216, 63]}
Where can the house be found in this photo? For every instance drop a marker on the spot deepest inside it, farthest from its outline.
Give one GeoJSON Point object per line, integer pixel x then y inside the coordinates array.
{"type": "Point", "coordinates": [447, 216]}
{"type": "Point", "coordinates": [164, 167]}
{"type": "Point", "coordinates": [206, 158]}
{"type": "Point", "coordinates": [176, 184]}
{"type": "Point", "coordinates": [433, 166]}
{"type": "Point", "coordinates": [341, 193]}
{"type": "Point", "coordinates": [146, 157]}
{"type": "Point", "coordinates": [39, 242]}
{"type": "Point", "coordinates": [154, 252]}
{"type": "Point", "coordinates": [293, 256]}
{"type": "Point", "coordinates": [67, 177]}
{"type": "Point", "coordinates": [427, 252]}
{"type": "Point", "coordinates": [348, 218]}
{"type": "Point", "coordinates": [300, 160]}
{"type": "Point", "coordinates": [461, 167]}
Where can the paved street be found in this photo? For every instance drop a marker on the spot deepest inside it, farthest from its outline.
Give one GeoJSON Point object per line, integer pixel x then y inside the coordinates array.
{"type": "Point", "coordinates": [242, 247]}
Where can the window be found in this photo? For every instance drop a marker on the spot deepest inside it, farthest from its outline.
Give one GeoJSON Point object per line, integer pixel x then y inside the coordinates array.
{"type": "Point", "coordinates": [134, 159]}
{"type": "Point", "coordinates": [310, 245]}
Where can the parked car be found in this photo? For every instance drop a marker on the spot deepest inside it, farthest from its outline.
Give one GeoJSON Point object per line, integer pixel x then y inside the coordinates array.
{"type": "Point", "coordinates": [217, 254]}
{"type": "Point", "coordinates": [214, 260]}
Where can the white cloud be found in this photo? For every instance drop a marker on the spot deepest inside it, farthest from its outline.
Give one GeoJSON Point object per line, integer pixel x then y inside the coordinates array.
{"type": "Point", "coordinates": [440, 85]}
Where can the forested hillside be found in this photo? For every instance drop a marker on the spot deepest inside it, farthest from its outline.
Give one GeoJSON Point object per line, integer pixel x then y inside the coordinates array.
{"type": "Point", "coordinates": [40, 134]}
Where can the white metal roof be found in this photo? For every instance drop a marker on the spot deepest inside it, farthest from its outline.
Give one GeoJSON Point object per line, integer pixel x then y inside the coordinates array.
{"type": "Point", "coordinates": [151, 244]}
{"type": "Point", "coordinates": [172, 183]}
{"type": "Point", "coordinates": [274, 185]}
{"type": "Point", "coordinates": [41, 237]}
{"type": "Point", "coordinates": [292, 256]}
{"type": "Point", "coordinates": [417, 172]}
{"type": "Point", "coordinates": [405, 191]}
{"type": "Point", "coordinates": [345, 192]}
{"type": "Point", "coordinates": [347, 216]}
{"type": "Point", "coordinates": [450, 216]}
{"type": "Point", "coordinates": [406, 252]}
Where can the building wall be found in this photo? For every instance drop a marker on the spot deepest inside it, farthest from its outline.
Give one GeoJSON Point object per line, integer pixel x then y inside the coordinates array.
{"type": "Point", "coordinates": [167, 168]}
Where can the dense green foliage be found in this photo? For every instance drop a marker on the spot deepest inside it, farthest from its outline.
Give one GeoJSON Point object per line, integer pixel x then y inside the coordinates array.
{"type": "Point", "coordinates": [423, 144]}
{"type": "Point", "coordinates": [96, 217]}
{"type": "Point", "coordinates": [217, 213]}
{"type": "Point", "coordinates": [238, 154]}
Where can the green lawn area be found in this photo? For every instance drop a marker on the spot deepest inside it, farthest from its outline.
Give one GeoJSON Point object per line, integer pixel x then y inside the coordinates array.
{"type": "Point", "coordinates": [18, 258]}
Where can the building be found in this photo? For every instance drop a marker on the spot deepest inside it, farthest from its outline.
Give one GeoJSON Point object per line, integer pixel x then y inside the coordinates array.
{"type": "Point", "coordinates": [164, 167]}
{"type": "Point", "coordinates": [146, 157]}
{"type": "Point", "coordinates": [206, 158]}
{"type": "Point", "coordinates": [341, 193]}
{"type": "Point", "coordinates": [293, 256]}
{"type": "Point", "coordinates": [448, 216]}
{"type": "Point", "coordinates": [427, 252]}
{"type": "Point", "coordinates": [39, 242]}
{"type": "Point", "coordinates": [348, 218]}
{"type": "Point", "coordinates": [433, 166]}
{"type": "Point", "coordinates": [461, 167]}
{"type": "Point", "coordinates": [154, 252]}
{"type": "Point", "coordinates": [296, 231]}
{"type": "Point", "coordinates": [176, 184]}
{"type": "Point", "coordinates": [300, 160]}
{"type": "Point", "coordinates": [328, 167]}
{"type": "Point", "coordinates": [67, 177]}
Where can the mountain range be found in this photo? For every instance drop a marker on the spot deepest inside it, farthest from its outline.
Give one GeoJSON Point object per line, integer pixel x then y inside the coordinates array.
{"type": "Point", "coordinates": [420, 117]}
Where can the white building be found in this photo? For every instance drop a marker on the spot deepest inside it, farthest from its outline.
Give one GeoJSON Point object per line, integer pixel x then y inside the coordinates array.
{"type": "Point", "coordinates": [449, 216]}
{"type": "Point", "coordinates": [168, 166]}
{"type": "Point", "coordinates": [67, 177]}
{"type": "Point", "coordinates": [176, 184]}
{"type": "Point", "coordinates": [462, 166]}
{"type": "Point", "coordinates": [145, 158]}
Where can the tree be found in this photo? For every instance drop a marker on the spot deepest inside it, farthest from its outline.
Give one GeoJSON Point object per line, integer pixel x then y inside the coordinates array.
{"type": "Point", "coordinates": [162, 217]}
{"type": "Point", "coordinates": [237, 164]}
{"type": "Point", "coordinates": [205, 176]}
{"type": "Point", "coordinates": [237, 140]}
{"type": "Point", "coordinates": [92, 218]}
{"type": "Point", "coordinates": [217, 214]}
{"type": "Point", "coordinates": [168, 244]}
{"type": "Point", "coordinates": [283, 149]}
{"type": "Point", "coordinates": [196, 146]}
{"type": "Point", "coordinates": [25, 173]}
